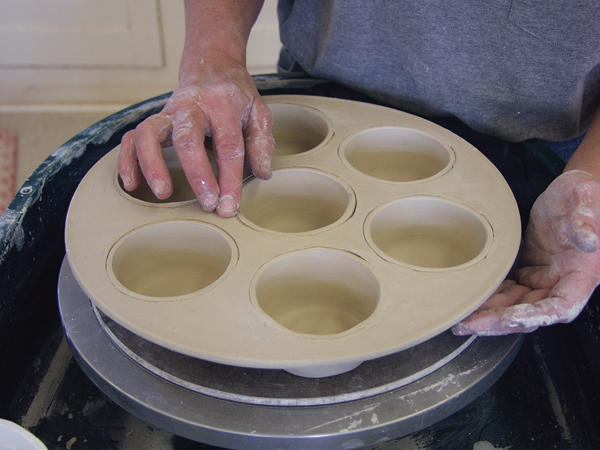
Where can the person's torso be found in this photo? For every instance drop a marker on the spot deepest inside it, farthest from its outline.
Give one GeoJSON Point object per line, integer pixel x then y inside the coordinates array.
{"type": "Point", "coordinates": [514, 69]}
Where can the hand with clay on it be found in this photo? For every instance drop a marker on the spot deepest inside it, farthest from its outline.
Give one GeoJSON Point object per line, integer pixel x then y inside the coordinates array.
{"type": "Point", "coordinates": [560, 266]}
{"type": "Point", "coordinates": [215, 97]}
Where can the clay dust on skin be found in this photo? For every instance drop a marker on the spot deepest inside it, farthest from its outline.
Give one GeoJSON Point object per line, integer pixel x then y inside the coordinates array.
{"type": "Point", "coordinates": [542, 313]}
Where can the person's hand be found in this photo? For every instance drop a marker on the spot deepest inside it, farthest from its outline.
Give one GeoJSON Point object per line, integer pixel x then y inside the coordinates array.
{"type": "Point", "coordinates": [215, 97]}
{"type": "Point", "coordinates": [560, 265]}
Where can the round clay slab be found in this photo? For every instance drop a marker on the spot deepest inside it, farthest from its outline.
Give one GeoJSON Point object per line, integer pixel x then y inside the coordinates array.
{"type": "Point", "coordinates": [377, 231]}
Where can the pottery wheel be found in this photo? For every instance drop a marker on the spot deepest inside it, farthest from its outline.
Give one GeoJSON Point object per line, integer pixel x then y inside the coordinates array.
{"type": "Point", "coordinates": [278, 387]}
{"type": "Point", "coordinates": [243, 408]}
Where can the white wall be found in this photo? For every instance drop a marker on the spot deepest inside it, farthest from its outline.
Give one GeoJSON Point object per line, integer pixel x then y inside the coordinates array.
{"type": "Point", "coordinates": [103, 52]}
{"type": "Point", "coordinates": [264, 43]}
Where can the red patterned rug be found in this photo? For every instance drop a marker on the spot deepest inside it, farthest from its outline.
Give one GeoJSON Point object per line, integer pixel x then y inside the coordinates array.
{"type": "Point", "coordinates": [8, 167]}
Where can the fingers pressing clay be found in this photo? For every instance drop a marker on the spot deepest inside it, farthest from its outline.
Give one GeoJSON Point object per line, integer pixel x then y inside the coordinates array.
{"type": "Point", "coordinates": [228, 142]}
{"type": "Point", "coordinates": [222, 104]}
{"type": "Point", "coordinates": [150, 135]}
{"type": "Point", "coordinates": [188, 140]}
{"type": "Point", "coordinates": [260, 145]}
{"type": "Point", "coordinates": [129, 169]}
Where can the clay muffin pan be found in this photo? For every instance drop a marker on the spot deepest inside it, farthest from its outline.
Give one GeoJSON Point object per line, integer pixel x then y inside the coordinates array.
{"type": "Point", "coordinates": [377, 231]}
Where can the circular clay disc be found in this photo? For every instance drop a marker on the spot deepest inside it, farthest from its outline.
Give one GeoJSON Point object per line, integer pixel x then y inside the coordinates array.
{"type": "Point", "coordinates": [377, 231]}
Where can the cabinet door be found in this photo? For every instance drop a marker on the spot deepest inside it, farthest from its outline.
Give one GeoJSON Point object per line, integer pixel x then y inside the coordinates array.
{"type": "Point", "coordinates": [102, 52]}
{"type": "Point", "coordinates": [80, 33]}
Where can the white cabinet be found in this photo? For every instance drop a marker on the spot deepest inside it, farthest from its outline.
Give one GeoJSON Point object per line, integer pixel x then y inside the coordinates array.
{"type": "Point", "coordinates": [109, 51]}
{"type": "Point", "coordinates": [80, 33]}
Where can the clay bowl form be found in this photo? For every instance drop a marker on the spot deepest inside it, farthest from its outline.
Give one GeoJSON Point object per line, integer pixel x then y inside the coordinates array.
{"type": "Point", "coordinates": [378, 230]}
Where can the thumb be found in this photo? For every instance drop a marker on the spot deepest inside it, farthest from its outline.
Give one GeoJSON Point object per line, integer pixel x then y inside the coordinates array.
{"type": "Point", "coordinates": [583, 224]}
{"type": "Point", "coordinates": [583, 237]}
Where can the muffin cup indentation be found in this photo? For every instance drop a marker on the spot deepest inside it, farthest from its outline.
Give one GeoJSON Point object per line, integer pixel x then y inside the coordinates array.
{"type": "Point", "coordinates": [317, 291]}
{"type": "Point", "coordinates": [170, 259]}
{"type": "Point", "coordinates": [395, 154]}
{"type": "Point", "coordinates": [296, 201]}
{"type": "Point", "coordinates": [182, 191]}
{"type": "Point", "coordinates": [428, 232]}
{"type": "Point", "coordinates": [297, 129]}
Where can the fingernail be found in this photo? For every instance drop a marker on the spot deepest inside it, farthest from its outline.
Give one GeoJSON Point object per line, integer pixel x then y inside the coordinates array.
{"type": "Point", "coordinates": [208, 201]}
{"type": "Point", "coordinates": [126, 179]}
{"type": "Point", "coordinates": [227, 206]}
{"type": "Point", "coordinates": [265, 162]}
{"type": "Point", "coordinates": [159, 187]}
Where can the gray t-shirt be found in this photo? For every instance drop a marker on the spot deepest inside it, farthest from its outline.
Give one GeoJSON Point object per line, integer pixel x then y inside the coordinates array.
{"type": "Point", "coordinates": [514, 69]}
